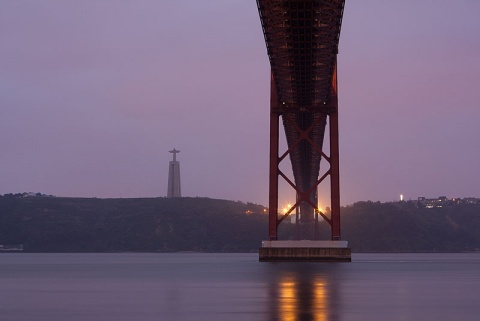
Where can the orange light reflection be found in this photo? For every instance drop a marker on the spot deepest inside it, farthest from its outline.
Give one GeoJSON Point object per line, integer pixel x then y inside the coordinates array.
{"type": "Point", "coordinates": [290, 293]}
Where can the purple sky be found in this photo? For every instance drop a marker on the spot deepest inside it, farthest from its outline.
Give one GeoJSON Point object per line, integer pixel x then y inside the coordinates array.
{"type": "Point", "coordinates": [93, 95]}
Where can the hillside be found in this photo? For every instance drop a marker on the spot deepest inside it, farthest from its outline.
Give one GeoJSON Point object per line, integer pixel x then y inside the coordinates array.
{"type": "Point", "coordinates": [51, 224]}
{"type": "Point", "coordinates": [402, 227]}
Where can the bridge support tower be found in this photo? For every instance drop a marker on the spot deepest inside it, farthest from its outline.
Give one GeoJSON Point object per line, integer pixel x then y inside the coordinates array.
{"type": "Point", "coordinates": [302, 40]}
{"type": "Point", "coordinates": [302, 250]}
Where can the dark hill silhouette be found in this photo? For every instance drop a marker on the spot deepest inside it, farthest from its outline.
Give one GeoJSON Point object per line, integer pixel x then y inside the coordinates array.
{"type": "Point", "coordinates": [54, 224]}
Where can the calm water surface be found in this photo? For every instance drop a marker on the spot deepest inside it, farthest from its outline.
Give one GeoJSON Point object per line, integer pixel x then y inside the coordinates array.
{"type": "Point", "coordinates": [140, 287]}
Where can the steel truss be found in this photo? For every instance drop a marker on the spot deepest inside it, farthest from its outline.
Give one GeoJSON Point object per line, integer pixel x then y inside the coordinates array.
{"type": "Point", "coordinates": [302, 45]}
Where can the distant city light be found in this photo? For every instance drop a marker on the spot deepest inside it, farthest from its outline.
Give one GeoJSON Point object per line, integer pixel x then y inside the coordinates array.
{"type": "Point", "coordinates": [401, 197]}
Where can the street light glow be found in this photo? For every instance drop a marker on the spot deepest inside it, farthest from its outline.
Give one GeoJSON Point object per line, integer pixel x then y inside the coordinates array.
{"type": "Point", "coordinates": [286, 208]}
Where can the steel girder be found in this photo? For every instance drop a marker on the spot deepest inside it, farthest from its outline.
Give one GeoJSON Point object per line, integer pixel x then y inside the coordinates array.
{"type": "Point", "coordinates": [302, 44]}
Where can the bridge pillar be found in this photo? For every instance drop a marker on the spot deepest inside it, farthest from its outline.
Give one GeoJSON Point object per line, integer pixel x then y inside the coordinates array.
{"type": "Point", "coordinates": [334, 177]}
{"type": "Point", "coordinates": [302, 46]}
{"type": "Point", "coordinates": [273, 179]}
{"type": "Point", "coordinates": [309, 214]}
{"type": "Point", "coordinates": [334, 161]}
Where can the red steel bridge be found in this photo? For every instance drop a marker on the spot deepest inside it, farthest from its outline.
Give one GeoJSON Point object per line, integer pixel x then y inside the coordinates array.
{"type": "Point", "coordinates": [302, 44]}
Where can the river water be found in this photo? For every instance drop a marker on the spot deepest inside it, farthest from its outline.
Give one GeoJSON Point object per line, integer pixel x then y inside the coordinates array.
{"type": "Point", "coordinates": [198, 287]}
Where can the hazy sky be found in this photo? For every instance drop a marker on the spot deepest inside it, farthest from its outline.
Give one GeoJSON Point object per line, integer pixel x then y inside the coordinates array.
{"type": "Point", "coordinates": [94, 93]}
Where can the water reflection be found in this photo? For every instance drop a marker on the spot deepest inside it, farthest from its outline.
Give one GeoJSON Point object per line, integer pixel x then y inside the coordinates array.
{"type": "Point", "coordinates": [303, 291]}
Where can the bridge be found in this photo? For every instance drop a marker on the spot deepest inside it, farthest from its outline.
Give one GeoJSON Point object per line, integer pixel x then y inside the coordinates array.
{"type": "Point", "coordinates": [302, 39]}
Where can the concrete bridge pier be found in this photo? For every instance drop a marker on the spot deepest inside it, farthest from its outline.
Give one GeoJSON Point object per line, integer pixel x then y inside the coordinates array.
{"type": "Point", "coordinates": [313, 251]}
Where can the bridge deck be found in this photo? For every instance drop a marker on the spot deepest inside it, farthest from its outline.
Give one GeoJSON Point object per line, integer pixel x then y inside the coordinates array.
{"type": "Point", "coordinates": [302, 43]}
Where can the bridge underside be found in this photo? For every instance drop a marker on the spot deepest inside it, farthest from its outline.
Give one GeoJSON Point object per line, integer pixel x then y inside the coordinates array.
{"type": "Point", "coordinates": [302, 44]}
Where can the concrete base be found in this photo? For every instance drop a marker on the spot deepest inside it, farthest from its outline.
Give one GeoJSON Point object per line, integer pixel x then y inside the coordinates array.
{"type": "Point", "coordinates": [313, 251]}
